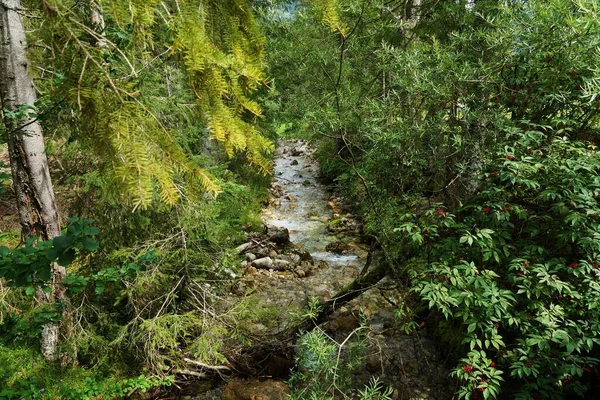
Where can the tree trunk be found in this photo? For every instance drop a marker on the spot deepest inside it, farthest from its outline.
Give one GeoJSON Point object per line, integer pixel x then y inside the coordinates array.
{"type": "Point", "coordinates": [29, 164]}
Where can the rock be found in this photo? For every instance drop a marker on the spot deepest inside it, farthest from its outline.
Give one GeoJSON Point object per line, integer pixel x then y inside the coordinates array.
{"type": "Point", "coordinates": [306, 183]}
{"type": "Point", "coordinates": [280, 237]}
{"type": "Point", "coordinates": [373, 364]}
{"type": "Point", "coordinates": [337, 247]}
{"type": "Point", "coordinates": [250, 257]}
{"type": "Point", "coordinates": [281, 265]}
{"type": "Point", "coordinates": [272, 253]}
{"type": "Point", "coordinates": [263, 263]}
{"type": "Point", "coordinates": [256, 390]}
{"type": "Point", "coordinates": [296, 152]}
{"type": "Point", "coordinates": [244, 247]}
{"type": "Point", "coordinates": [261, 252]}
{"type": "Point", "coordinates": [305, 256]}
{"type": "Point", "coordinates": [294, 162]}
{"type": "Point", "coordinates": [300, 273]}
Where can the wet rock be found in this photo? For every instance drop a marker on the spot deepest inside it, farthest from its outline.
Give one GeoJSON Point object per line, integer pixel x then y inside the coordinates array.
{"type": "Point", "coordinates": [280, 237]}
{"type": "Point", "coordinates": [337, 247]}
{"type": "Point", "coordinates": [296, 152]}
{"type": "Point", "coordinates": [306, 183]}
{"type": "Point", "coordinates": [256, 390]}
{"type": "Point", "coordinates": [305, 265]}
{"type": "Point", "coordinates": [263, 263]}
{"type": "Point", "coordinates": [250, 257]}
{"type": "Point", "coordinates": [306, 256]}
{"type": "Point", "coordinates": [294, 162]}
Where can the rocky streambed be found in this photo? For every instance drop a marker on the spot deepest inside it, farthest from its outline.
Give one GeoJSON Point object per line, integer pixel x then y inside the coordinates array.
{"type": "Point", "coordinates": [310, 250]}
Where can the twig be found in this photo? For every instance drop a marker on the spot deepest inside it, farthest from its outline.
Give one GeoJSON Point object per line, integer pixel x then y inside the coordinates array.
{"type": "Point", "coordinates": [191, 373]}
{"type": "Point", "coordinates": [206, 366]}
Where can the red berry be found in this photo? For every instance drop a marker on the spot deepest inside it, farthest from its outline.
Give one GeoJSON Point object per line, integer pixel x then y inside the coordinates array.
{"type": "Point", "coordinates": [506, 208]}
{"type": "Point", "coordinates": [525, 264]}
{"type": "Point", "coordinates": [485, 210]}
{"type": "Point", "coordinates": [496, 325]}
{"type": "Point", "coordinates": [573, 265]}
{"type": "Point", "coordinates": [467, 368]}
{"type": "Point", "coordinates": [441, 213]}
{"type": "Point", "coordinates": [494, 173]}
{"type": "Point", "coordinates": [493, 364]}
{"type": "Point", "coordinates": [595, 265]}
{"type": "Point", "coordinates": [510, 158]}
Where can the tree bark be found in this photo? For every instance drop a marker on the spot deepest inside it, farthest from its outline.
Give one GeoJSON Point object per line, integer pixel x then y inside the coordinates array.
{"type": "Point", "coordinates": [29, 164]}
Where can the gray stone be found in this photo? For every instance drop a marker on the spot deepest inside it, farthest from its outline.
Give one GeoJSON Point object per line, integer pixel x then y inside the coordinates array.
{"type": "Point", "coordinates": [263, 263]}
{"type": "Point", "coordinates": [280, 265]}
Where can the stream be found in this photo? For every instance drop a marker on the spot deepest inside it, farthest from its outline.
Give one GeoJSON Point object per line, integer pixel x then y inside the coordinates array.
{"type": "Point", "coordinates": [279, 282]}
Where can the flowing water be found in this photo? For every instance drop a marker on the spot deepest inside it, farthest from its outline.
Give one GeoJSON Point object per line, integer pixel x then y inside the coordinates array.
{"type": "Point", "coordinates": [408, 363]}
{"type": "Point", "coordinates": [303, 207]}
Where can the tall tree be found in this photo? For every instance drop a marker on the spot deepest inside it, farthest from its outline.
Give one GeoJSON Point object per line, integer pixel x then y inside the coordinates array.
{"type": "Point", "coordinates": [30, 173]}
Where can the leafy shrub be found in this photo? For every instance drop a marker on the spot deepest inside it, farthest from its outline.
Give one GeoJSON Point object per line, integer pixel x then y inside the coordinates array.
{"type": "Point", "coordinates": [518, 265]}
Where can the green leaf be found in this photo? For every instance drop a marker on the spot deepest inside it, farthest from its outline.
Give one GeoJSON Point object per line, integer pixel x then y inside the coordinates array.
{"type": "Point", "coordinates": [99, 287]}
{"type": "Point", "coordinates": [89, 244]}
{"type": "Point", "coordinates": [66, 258]}
{"type": "Point", "coordinates": [63, 242]}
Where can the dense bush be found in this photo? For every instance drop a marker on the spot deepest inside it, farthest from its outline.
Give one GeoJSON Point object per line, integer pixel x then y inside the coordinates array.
{"type": "Point", "coordinates": [468, 138]}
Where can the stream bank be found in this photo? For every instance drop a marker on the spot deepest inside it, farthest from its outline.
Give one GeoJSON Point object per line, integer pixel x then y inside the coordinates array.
{"type": "Point", "coordinates": [311, 249]}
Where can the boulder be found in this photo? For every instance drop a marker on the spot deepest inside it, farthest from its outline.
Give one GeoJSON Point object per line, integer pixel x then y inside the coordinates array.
{"type": "Point", "coordinates": [263, 263]}
{"type": "Point", "coordinates": [305, 256]}
{"type": "Point", "coordinates": [281, 236]}
{"type": "Point", "coordinates": [337, 247]}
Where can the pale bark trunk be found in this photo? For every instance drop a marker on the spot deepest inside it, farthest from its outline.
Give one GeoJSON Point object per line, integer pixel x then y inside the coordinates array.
{"type": "Point", "coordinates": [29, 164]}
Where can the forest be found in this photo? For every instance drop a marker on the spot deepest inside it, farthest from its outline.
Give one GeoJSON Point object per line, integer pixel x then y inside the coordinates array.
{"type": "Point", "coordinates": [299, 199]}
